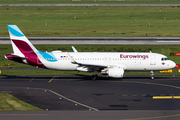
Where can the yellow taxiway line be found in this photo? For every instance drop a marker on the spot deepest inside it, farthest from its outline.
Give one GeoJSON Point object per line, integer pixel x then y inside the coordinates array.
{"type": "Point", "coordinates": [166, 97]}
{"type": "Point", "coordinates": [51, 79]}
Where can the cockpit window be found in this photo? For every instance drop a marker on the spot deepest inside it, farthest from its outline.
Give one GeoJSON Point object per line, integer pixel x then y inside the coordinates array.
{"type": "Point", "coordinates": [163, 59]}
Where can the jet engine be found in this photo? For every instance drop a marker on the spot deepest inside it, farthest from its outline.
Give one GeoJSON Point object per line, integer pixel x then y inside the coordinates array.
{"type": "Point", "coordinates": [114, 72]}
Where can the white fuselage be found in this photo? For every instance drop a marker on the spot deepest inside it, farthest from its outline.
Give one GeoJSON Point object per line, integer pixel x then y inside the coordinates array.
{"type": "Point", "coordinates": [127, 60]}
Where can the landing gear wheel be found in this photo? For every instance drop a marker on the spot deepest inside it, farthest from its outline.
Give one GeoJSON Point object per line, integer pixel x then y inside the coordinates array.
{"type": "Point", "coordinates": [94, 77]}
{"type": "Point", "coordinates": [152, 75]}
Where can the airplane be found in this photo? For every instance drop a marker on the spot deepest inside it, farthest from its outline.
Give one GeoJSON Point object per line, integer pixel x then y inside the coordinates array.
{"type": "Point", "coordinates": [113, 64]}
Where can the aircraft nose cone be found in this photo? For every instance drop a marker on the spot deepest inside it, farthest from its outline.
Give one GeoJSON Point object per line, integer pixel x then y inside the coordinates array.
{"type": "Point", "coordinates": [173, 64]}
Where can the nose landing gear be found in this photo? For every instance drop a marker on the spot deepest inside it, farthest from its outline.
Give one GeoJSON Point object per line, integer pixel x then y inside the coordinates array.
{"type": "Point", "coordinates": [152, 75]}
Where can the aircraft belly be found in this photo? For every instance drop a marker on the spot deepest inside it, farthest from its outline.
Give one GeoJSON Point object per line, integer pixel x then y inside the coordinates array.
{"type": "Point", "coordinates": [59, 65]}
{"type": "Point", "coordinates": [67, 66]}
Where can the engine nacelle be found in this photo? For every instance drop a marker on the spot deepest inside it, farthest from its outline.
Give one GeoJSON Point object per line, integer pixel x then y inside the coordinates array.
{"type": "Point", "coordinates": [115, 72]}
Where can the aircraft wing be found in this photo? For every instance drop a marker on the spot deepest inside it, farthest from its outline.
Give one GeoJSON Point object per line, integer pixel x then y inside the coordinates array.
{"type": "Point", "coordinates": [95, 65]}
{"type": "Point", "coordinates": [88, 64]}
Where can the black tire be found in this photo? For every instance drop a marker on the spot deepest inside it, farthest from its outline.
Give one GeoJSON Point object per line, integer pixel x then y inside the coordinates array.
{"type": "Point", "coordinates": [152, 78]}
{"type": "Point", "coordinates": [94, 77]}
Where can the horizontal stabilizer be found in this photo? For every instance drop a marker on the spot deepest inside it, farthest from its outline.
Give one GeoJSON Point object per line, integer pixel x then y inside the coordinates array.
{"type": "Point", "coordinates": [12, 56]}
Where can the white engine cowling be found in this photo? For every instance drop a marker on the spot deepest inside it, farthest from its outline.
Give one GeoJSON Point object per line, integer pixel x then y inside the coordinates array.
{"type": "Point", "coordinates": [116, 72]}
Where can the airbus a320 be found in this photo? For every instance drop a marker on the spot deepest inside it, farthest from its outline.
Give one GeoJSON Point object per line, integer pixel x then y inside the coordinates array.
{"type": "Point", "coordinates": [113, 64]}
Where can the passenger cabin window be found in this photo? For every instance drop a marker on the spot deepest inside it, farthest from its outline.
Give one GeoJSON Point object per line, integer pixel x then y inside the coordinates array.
{"type": "Point", "coordinates": [163, 59]}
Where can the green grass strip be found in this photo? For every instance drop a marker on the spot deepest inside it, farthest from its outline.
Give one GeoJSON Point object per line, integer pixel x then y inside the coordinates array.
{"type": "Point", "coordinates": [54, 72]}
{"type": "Point", "coordinates": [92, 21]}
{"type": "Point", "coordinates": [85, 1]}
{"type": "Point", "coordinates": [11, 103]}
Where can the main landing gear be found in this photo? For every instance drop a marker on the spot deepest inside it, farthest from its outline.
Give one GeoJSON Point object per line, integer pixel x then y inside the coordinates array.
{"type": "Point", "coordinates": [152, 75]}
{"type": "Point", "coordinates": [95, 76]}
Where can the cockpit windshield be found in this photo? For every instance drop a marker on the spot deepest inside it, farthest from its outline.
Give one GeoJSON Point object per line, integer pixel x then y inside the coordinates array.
{"type": "Point", "coordinates": [163, 59]}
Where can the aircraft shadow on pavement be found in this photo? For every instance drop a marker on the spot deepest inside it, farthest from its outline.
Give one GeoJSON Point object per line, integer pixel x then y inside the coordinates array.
{"type": "Point", "coordinates": [83, 77]}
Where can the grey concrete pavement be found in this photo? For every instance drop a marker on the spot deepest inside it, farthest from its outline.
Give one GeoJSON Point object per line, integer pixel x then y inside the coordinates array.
{"type": "Point", "coordinates": [128, 98]}
{"type": "Point", "coordinates": [101, 40]}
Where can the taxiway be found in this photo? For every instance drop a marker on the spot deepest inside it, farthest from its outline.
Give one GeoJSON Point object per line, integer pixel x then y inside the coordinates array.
{"type": "Point", "coordinates": [101, 40]}
{"type": "Point", "coordinates": [121, 99]}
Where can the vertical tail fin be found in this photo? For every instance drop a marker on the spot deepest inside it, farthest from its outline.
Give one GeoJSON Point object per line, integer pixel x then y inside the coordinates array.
{"type": "Point", "coordinates": [20, 43]}
{"type": "Point", "coordinates": [24, 51]}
